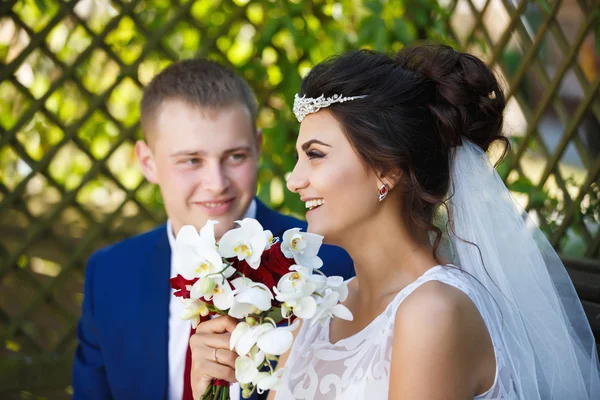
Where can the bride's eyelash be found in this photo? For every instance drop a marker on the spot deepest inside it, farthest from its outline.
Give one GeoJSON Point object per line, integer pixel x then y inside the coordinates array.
{"type": "Point", "coordinates": [314, 154]}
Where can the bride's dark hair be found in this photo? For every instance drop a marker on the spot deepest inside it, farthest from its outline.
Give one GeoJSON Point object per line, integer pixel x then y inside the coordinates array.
{"type": "Point", "coordinates": [419, 105]}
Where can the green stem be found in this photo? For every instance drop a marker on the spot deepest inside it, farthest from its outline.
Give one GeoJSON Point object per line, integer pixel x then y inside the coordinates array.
{"type": "Point", "coordinates": [220, 272]}
{"type": "Point", "coordinates": [207, 392]}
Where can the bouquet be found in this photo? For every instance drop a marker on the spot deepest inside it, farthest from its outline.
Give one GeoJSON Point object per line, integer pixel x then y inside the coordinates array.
{"type": "Point", "coordinates": [265, 283]}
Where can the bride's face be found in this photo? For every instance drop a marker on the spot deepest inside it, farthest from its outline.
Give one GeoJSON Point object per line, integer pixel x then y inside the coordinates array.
{"type": "Point", "coordinates": [339, 190]}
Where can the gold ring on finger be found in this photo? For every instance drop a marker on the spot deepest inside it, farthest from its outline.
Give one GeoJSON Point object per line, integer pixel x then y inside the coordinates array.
{"type": "Point", "coordinates": [215, 357]}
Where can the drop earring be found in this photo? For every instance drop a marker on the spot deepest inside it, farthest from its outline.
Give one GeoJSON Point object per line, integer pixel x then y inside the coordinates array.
{"type": "Point", "coordinates": [383, 191]}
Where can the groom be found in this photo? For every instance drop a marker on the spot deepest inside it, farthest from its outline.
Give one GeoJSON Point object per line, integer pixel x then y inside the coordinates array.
{"type": "Point", "coordinates": [202, 149]}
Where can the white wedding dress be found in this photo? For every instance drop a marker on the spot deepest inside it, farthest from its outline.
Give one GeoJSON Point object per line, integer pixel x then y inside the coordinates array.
{"type": "Point", "coordinates": [358, 367]}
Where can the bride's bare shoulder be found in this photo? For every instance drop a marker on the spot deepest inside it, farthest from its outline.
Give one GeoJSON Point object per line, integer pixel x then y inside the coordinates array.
{"type": "Point", "coordinates": [440, 339]}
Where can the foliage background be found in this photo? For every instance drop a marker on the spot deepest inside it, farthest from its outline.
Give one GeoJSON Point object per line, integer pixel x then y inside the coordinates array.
{"type": "Point", "coordinates": [71, 79]}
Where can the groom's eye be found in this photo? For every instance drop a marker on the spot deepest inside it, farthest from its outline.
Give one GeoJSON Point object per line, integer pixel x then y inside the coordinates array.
{"type": "Point", "coordinates": [192, 161]}
{"type": "Point", "coordinates": [238, 157]}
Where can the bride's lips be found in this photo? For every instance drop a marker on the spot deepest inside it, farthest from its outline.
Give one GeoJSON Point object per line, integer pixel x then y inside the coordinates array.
{"type": "Point", "coordinates": [312, 205]}
{"type": "Point", "coordinates": [313, 210]}
{"type": "Point", "coordinates": [215, 207]}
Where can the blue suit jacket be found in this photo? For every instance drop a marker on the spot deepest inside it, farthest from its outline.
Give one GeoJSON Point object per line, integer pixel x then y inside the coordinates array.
{"type": "Point", "coordinates": [123, 331]}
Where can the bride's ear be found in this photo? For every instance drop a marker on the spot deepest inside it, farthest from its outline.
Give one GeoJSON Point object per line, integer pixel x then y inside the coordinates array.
{"type": "Point", "coordinates": [390, 178]}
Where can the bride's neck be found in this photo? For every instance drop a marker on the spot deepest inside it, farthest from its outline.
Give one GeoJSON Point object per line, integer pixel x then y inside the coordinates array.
{"type": "Point", "coordinates": [386, 257]}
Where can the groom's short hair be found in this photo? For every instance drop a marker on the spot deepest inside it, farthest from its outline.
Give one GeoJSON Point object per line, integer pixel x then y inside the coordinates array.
{"type": "Point", "coordinates": [201, 82]}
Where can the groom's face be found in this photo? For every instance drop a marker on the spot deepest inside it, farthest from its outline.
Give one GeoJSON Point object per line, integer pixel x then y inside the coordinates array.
{"type": "Point", "coordinates": [205, 162]}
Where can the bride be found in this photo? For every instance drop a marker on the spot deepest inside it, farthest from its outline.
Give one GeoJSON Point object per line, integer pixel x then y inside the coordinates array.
{"type": "Point", "coordinates": [386, 145]}
{"type": "Point", "coordinates": [457, 294]}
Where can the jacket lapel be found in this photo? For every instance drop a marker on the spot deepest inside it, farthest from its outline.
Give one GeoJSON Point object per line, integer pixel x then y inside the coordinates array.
{"type": "Point", "coordinates": [154, 318]}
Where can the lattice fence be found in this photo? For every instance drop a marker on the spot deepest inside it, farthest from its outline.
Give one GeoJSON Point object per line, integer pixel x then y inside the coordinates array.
{"type": "Point", "coordinates": [72, 75]}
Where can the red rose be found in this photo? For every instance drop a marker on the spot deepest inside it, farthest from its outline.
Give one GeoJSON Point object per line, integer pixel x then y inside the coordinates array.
{"type": "Point", "coordinates": [276, 262]}
{"type": "Point", "coordinates": [260, 275]}
{"type": "Point", "coordinates": [180, 284]}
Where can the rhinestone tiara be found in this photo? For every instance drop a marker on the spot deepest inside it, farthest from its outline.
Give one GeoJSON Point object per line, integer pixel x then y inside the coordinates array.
{"type": "Point", "coordinates": [308, 105]}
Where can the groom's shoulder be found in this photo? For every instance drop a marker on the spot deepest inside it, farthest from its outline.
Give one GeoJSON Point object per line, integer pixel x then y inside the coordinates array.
{"type": "Point", "coordinates": [275, 221]}
{"type": "Point", "coordinates": [130, 248]}
{"type": "Point", "coordinates": [290, 222]}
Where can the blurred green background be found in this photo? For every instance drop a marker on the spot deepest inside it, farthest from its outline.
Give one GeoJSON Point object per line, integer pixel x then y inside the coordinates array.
{"type": "Point", "coordinates": [72, 75]}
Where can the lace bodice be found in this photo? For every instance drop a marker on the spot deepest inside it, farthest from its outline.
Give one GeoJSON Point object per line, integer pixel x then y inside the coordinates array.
{"type": "Point", "coordinates": [358, 367]}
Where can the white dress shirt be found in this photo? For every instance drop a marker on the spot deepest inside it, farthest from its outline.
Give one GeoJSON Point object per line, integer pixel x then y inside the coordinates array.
{"type": "Point", "coordinates": [179, 330]}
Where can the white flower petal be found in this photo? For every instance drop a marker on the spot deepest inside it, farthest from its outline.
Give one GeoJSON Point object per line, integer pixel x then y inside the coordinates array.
{"type": "Point", "coordinates": [254, 261]}
{"type": "Point", "coordinates": [251, 225]}
{"type": "Point", "coordinates": [185, 260]}
{"type": "Point", "coordinates": [335, 281]}
{"type": "Point", "coordinates": [255, 296]}
{"type": "Point", "coordinates": [240, 310]}
{"type": "Point", "coordinates": [276, 341]}
{"type": "Point", "coordinates": [314, 243]}
{"type": "Point", "coordinates": [247, 340]}
{"type": "Point", "coordinates": [267, 381]}
{"type": "Point", "coordinates": [228, 273]}
{"type": "Point", "coordinates": [309, 262]}
{"type": "Point", "coordinates": [306, 308]}
{"type": "Point", "coordinates": [245, 370]}
{"type": "Point", "coordinates": [207, 233]}
{"type": "Point", "coordinates": [257, 356]}
{"type": "Point", "coordinates": [245, 343]}
{"type": "Point", "coordinates": [187, 235]}
{"type": "Point", "coordinates": [302, 270]}
{"type": "Point", "coordinates": [224, 300]}
{"type": "Point", "coordinates": [241, 329]}
{"type": "Point", "coordinates": [229, 241]}
{"type": "Point", "coordinates": [269, 236]}
{"type": "Point", "coordinates": [342, 312]}
{"type": "Point", "coordinates": [241, 282]}
{"type": "Point", "coordinates": [319, 280]}
{"type": "Point", "coordinates": [286, 242]}
{"type": "Point", "coordinates": [330, 300]}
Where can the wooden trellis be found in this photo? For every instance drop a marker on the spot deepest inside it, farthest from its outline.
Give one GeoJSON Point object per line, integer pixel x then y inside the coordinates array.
{"type": "Point", "coordinates": [58, 104]}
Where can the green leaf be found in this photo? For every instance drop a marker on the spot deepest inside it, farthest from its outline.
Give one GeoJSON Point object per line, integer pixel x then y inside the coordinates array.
{"type": "Point", "coordinates": [405, 30]}
{"type": "Point", "coordinates": [41, 5]}
{"type": "Point", "coordinates": [521, 185]}
{"type": "Point", "coordinates": [544, 5]}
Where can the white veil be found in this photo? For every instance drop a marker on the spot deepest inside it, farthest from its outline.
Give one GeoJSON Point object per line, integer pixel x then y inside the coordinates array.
{"type": "Point", "coordinates": [551, 350]}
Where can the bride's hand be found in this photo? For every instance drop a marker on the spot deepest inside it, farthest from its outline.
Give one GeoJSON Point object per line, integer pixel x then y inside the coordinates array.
{"type": "Point", "coordinates": [211, 357]}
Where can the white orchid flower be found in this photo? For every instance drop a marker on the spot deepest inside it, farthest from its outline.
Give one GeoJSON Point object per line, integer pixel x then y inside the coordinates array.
{"type": "Point", "coordinates": [339, 285]}
{"type": "Point", "coordinates": [329, 307]}
{"type": "Point", "coordinates": [246, 242]}
{"type": "Point", "coordinates": [268, 381]}
{"type": "Point", "coordinates": [194, 309]}
{"type": "Point", "coordinates": [204, 287]}
{"type": "Point", "coordinates": [277, 340]}
{"type": "Point", "coordinates": [207, 233]}
{"type": "Point", "coordinates": [266, 337]}
{"type": "Point", "coordinates": [223, 297]}
{"type": "Point", "coordinates": [305, 308]}
{"type": "Point", "coordinates": [295, 285]}
{"type": "Point", "coordinates": [303, 247]}
{"type": "Point", "coordinates": [244, 337]}
{"type": "Point", "coordinates": [270, 239]}
{"type": "Point", "coordinates": [248, 297]}
{"type": "Point", "coordinates": [246, 370]}
{"type": "Point", "coordinates": [214, 288]}
{"type": "Point", "coordinates": [195, 255]}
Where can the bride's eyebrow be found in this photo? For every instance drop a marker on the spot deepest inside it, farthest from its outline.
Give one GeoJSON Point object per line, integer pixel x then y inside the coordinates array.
{"type": "Point", "coordinates": [306, 145]}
